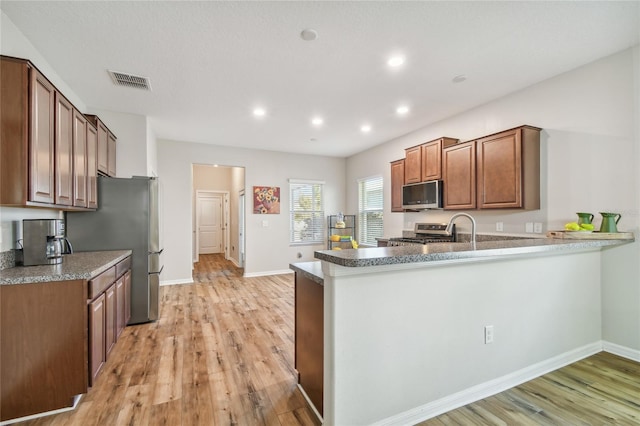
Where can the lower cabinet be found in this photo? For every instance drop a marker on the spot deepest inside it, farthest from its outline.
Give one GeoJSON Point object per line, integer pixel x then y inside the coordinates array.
{"type": "Point", "coordinates": [109, 312]}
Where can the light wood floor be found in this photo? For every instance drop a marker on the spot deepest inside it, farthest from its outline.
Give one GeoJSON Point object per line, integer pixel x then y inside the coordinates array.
{"type": "Point", "coordinates": [222, 354]}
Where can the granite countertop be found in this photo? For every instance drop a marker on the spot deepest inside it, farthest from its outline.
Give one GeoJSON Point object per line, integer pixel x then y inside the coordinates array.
{"type": "Point", "coordinates": [311, 270]}
{"type": "Point", "coordinates": [77, 266]}
{"type": "Point", "coordinates": [456, 251]}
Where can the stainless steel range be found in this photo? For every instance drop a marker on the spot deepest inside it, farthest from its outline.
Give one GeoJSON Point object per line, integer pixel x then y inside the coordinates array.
{"type": "Point", "coordinates": [425, 233]}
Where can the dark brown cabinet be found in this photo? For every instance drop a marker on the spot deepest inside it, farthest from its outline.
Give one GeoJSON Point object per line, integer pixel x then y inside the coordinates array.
{"type": "Point", "coordinates": [397, 180]}
{"type": "Point", "coordinates": [43, 346]}
{"type": "Point", "coordinates": [127, 299]}
{"type": "Point", "coordinates": [92, 166]}
{"type": "Point", "coordinates": [27, 114]}
{"type": "Point", "coordinates": [64, 151]}
{"type": "Point", "coordinates": [106, 147]}
{"type": "Point", "coordinates": [79, 160]}
{"type": "Point", "coordinates": [121, 317]}
{"type": "Point", "coordinates": [96, 337]}
{"type": "Point", "coordinates": [459, 175]}
{"type": "Point", "coordinates": [508, 167]}
{"type": "Point", "coordinates": [413, 165]}
{"type": "Point", "coordinates": [47, 147]}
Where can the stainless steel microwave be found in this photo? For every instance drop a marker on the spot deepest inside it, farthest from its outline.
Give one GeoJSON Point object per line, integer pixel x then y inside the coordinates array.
{"type": "Point", "coordinates": [423, 195]}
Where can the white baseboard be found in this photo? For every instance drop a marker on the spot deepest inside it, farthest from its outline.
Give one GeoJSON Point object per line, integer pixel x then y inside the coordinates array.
{"type": "Point", "coordinates": [174, 282]}
{"type": "Point", "coordinates": [623, 351]}
{"type": "Point", "coordinates": [234, 261]}
{"type": "Point", "coordinates": [266, 273]}
{"type": "Point", "coordinates": [313, 407]}
{"type": "Point", "coordinates": [492, 387]}
{"type": "Point", "coordinates": [76, 401]}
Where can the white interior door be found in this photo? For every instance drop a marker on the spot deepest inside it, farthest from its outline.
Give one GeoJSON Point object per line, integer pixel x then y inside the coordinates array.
{"type": "Point", "coordinates": [210, 224]}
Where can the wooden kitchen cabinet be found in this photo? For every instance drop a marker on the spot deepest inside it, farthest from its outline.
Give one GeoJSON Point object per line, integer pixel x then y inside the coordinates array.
{"type": "Point", "coordinates": [27, 135]}
{"type": "Point", "coordinates": [64, 151]}
{"type": "Point", "coordinates": [120, 306]}
{"type": "Point", "coordinates": [92, 166]}
{"type": "Point", "coordinates": [96, 337]}
{"type": "Point", "coordinates": [459, 176]}
{"type": "Point", "coordinates": [413, 165]}
{"type": "Point", "coordinates": [397, 180]}
{"type": "Point", "coordinates": [110, 316]}
{"type": "Point", "coordinates": [127, 299]}
{"type": "Point", "coordinates": [431, 161]}
{"type": "Point", "coordinates": [111, 154]}
{"type": "Point", "coordinates": [107, 145]}
{"type": "Point", "coordinates": [43, 346]}
{"type": "Point", "coordinates": [80, 159]}
{"type": "Point", "coordinates": [508, 169]}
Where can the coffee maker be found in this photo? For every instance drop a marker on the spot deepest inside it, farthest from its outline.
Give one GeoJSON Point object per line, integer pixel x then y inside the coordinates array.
{"type": "Point", "coordinates": [43, 242]}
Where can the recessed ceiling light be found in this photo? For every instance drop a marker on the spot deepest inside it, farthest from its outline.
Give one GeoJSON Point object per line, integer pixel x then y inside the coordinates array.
{"type": "Point", "coordinates": [459, 78]}
{"type": "Point", "coordinates": [365, 128]}
{"type": "Point", "coordinates": [259, 112]}
{"type": "Point", "coordinates": [402, 109]}
{"type": "Point", "coordinates": [395, 61]}
{"type": "Point", "coordinates": [309, 34]}
{"type": "Point", "coordinates": [317, 121]}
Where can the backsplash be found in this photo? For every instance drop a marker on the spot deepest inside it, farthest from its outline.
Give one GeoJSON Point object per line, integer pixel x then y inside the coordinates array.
{"type": "Point", "coordinates": [7, 259]}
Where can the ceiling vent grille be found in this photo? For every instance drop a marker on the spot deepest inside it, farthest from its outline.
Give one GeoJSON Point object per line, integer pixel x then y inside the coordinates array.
{"type": "Point", "coordinates": [130, 80]}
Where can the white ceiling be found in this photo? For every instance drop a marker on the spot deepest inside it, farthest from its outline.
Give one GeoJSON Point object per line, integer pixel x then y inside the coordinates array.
{"type": "Point", "coordinates": [211, 63]}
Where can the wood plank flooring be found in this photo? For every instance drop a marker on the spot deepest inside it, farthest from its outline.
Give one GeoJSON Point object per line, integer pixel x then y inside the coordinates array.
{"type": "Point", "coordinates": [222, 354]}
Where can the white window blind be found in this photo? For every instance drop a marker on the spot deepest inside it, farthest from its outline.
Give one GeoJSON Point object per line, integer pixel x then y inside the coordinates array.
{"type": "Point", "coordinates": [306, 212]}
{"type": "Point", "coordinates": [370, 203]}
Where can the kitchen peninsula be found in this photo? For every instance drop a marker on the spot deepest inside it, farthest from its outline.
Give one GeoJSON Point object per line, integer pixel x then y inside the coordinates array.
{"type": "Point", "coordinates": [404, 327]}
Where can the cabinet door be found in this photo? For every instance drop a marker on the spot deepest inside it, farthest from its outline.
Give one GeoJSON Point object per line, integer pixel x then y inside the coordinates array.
{"type": "Point", "coordinates": [92, 166]}
{"type": "Point", "coordinates": [42, 139]}
{"type": "Point", "coordinates": [127, 297]}
{"type": "Point", "coordinates": [500, 171]}
{"type": "Point", "coordinates": [459, 175]}
{"type": "Point", "coordinates": [97, 352]}
{"type": "Point", "coordinates": [111, 150]}
{"type": "Point", "coordinates": [103, 149]}
{"type": "Point", "coordinates": [79, 159]}
{"type": "Point", "coordinates": [110, 319]}
{"type": "Point", "coordinates": [432, 160]}
{"type": "Point", "coordinates": [64, 151]}
{"type": "Point", "coordinates": [413, 165]}
{"type": "Point", "coordinates": [120, 303]}
{"type": "Point", "coordinates": [397, 180]}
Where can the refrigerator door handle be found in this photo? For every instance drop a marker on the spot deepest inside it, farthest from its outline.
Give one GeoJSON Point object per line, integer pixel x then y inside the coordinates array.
{"type": "Point", "coordinates": [156, 252]}
{"type": "Point", "coordinates": [157, 272]}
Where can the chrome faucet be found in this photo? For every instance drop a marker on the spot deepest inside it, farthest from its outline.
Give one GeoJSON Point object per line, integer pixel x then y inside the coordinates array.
{"type": "Point", "coordinates": [473, 226]}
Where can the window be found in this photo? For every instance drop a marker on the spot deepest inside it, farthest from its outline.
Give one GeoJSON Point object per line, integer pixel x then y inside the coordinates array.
{"type": "Point", "coordinates": [306, 212]}
{"type": "Point", "coordinates": [370, 225]}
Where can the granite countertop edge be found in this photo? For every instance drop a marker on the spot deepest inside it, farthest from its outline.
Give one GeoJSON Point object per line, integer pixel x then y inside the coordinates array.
{"type": "Point", "coordinates": [77, 266]}
{"type": "Point", "coordinates": [311, 270]}
{"type": "Point", "coordinates": [456, 251]}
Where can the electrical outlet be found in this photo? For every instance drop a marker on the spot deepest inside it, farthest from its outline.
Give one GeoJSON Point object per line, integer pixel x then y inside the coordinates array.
{"type": "Point", "coordinates": [537, 228]}
{"type": "Point", "coordinates": [488, 334]}
{"type": "Point", "coordinates": [528, 227]}
{"type": "Point", "coordinates": [499, 226]}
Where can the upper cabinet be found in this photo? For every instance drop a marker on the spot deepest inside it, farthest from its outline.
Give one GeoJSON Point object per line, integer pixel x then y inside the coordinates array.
{"type": "Point", "coordinates": [459, 176]}
{"type": "Point", "coordinates": [397, 180]}
{"type": "Point", "coordinates": [424, 162]}
{"type": "Point", "coordinates": [48, 150]}
{"type": "Point", "coordinates": [106, 147]}
{"type": "Point", "coordinates": [498, 171]}
{"type": "Point", "coordinates": [508, 169]}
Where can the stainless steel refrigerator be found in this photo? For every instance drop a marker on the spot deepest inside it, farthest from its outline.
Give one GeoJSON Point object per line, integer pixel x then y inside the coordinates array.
{"type": "Point", "coordinates": [127, 218]}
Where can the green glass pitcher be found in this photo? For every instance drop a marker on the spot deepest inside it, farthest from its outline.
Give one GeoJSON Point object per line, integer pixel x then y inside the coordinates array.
{"type": "Point", "coordinates": [609, 222]}
{"type": "Point", "coordinates": [584, 218]}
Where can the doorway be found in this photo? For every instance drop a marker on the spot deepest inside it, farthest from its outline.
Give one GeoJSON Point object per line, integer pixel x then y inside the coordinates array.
{"type": "Point", "coordinates": [210, 222]}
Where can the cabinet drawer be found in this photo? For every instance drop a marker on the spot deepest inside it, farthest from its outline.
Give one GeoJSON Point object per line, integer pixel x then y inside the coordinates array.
{"type": "Point", "coordinates": [123, 266]}
{"type": "Point", "coordinates": [99, 284]}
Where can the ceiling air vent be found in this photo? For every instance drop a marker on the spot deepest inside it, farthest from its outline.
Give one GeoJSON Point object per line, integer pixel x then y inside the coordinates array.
{"type": "Point", "coordinates": [130, 80]}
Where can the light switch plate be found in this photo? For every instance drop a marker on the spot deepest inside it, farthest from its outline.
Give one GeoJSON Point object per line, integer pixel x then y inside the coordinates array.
{"type": "Point", "coordinates": [265, 223]}
{"type": "Point", "coordinates": [537, 228]}
{"type": "Point", "coordinates": [528, 227]}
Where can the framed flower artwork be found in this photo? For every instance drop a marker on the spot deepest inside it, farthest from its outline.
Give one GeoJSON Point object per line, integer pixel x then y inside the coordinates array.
{"type": "Point", "coordinates": [266, 199]}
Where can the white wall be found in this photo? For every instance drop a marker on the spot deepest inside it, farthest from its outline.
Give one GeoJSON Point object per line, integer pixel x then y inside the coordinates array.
{"type": "Point", "coordinates": [267, 247]}
{"type": "Point", "coordinates": [590, 151]}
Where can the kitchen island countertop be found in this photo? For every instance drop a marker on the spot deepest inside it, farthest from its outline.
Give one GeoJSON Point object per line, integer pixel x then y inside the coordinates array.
{"type": "Point", "coordinates": [77, 266]}
{"type": "Point", "coordinates": [378, 256]}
